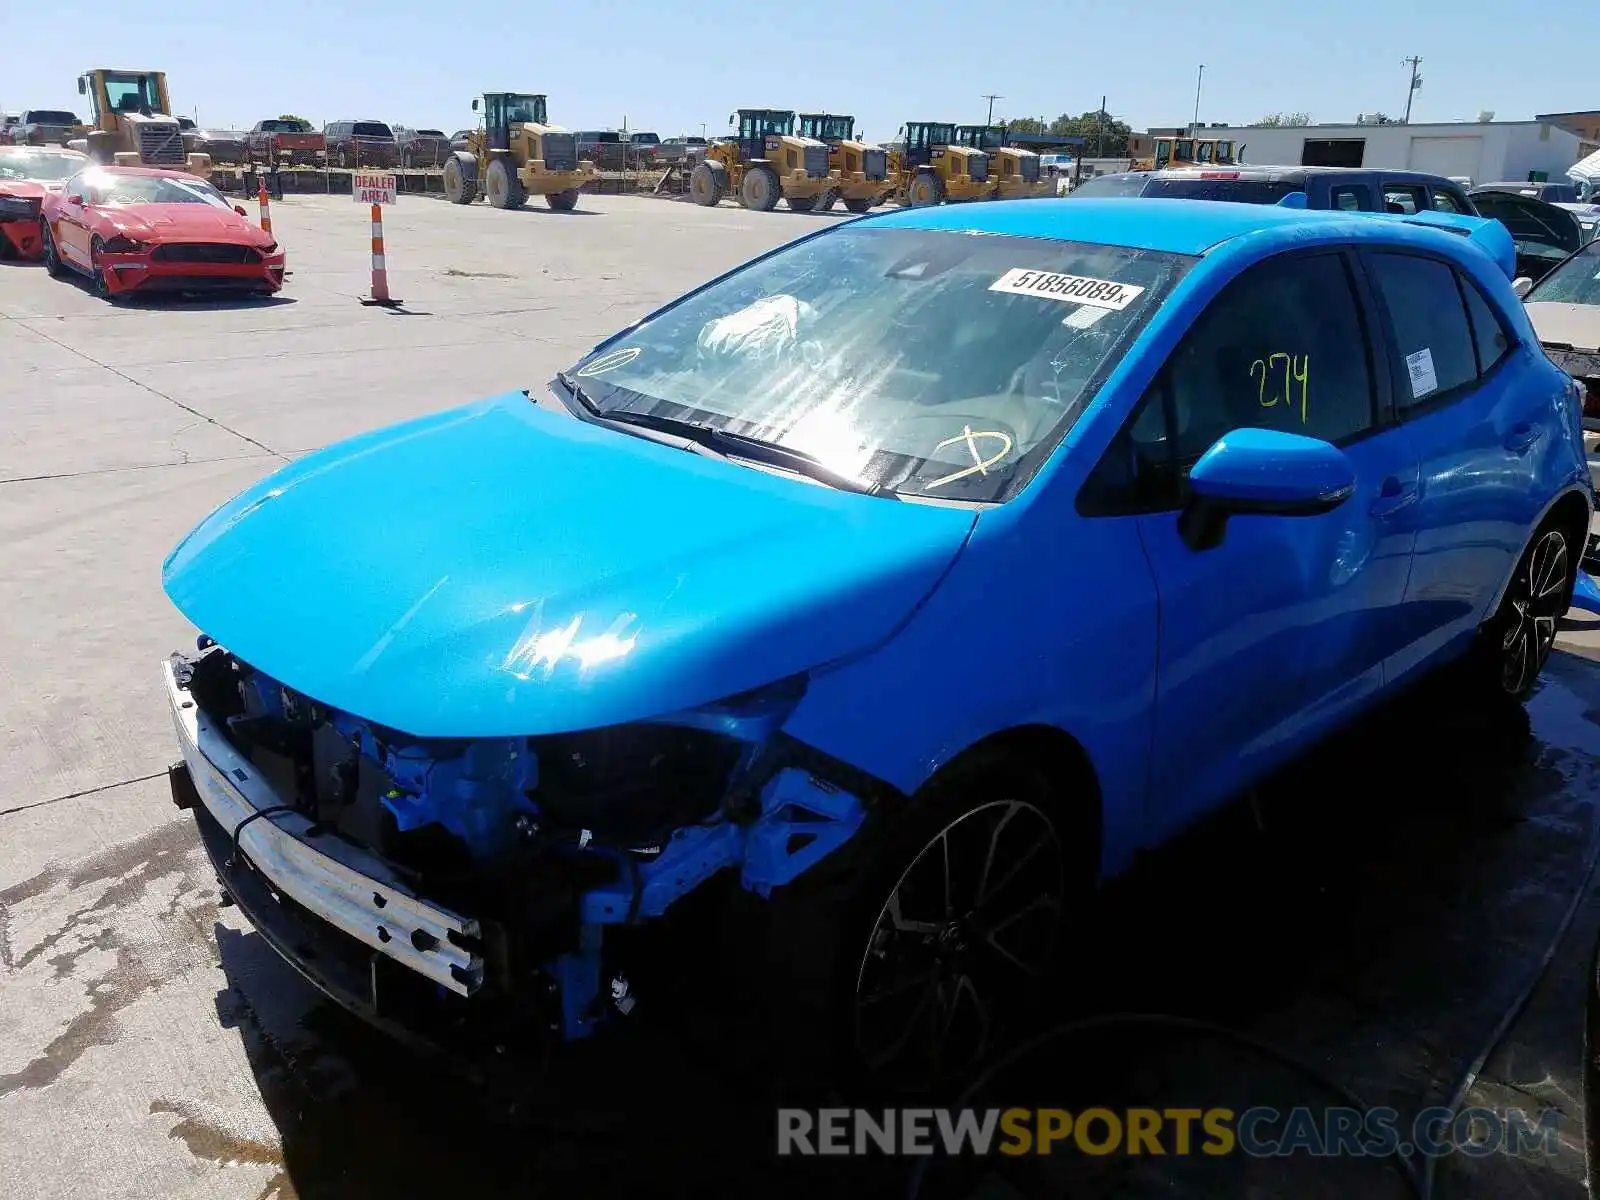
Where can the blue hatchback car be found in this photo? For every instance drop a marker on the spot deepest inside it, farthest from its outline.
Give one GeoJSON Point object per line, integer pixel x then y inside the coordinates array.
{"type": "Point", "coordinates": [898, 585]}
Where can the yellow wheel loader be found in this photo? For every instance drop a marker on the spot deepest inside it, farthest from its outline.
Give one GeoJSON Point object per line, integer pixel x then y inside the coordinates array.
{"type": "Point", "coordinates": [766, 162]}
{"type": "Point", "coordinates": [932, 167]}
{"type": "Point", "coordinates": [133, 125]}
{"type": "Point", "coordinates": [862, 170]}
{"type": "Point", "coordinates": [1187, 152]}
{"type": "Point", "coordinates": [1013, 172]}
{"type": "Point", "coordinates": [517, 153]}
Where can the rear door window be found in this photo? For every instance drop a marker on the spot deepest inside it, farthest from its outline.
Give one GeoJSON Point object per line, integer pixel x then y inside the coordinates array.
{"type": "Point", "coordinates": [1432, 333]}
{"type": "Point", "coordinates": [1350, 197]}
{"type": "Point", "coordinates": [1448, 202]}
{"type": "Point", "coordinates": [1489, 336]}
{"type": "Point", "coordinates": [1408, 198]}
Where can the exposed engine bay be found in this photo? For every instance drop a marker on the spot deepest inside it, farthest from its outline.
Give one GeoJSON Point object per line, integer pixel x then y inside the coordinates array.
{"type": "Point", "coordinates": [538, 843]}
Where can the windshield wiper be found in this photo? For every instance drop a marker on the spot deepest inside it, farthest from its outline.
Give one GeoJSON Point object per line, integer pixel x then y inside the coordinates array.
{"type": "Point", "coordinates": [719, 443]}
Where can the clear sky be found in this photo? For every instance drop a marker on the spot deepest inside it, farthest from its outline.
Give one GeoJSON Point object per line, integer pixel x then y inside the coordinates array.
{"type": "Point", "coordinates": [670, 67]}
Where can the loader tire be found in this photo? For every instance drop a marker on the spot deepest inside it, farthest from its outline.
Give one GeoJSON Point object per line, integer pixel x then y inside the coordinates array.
{"type": "Point", "coordinates": [925, 189]}
{"type": "Point", "coordinates": [827, 200]}
{"type": "Point", "coordinates": [707, 184]}
{"type": "Point", "coordinates": [501, 185]}
{"type": "Point", "coordinates": [760, 191]}
{"type": "Point", "coordinates": [802, 203]}
{"type": "Point", "coordinates": [563, 201]}
{"type": "Point", "coordinates": [461, 178]}
{"type": "Point", "coordinates": [859, 205]}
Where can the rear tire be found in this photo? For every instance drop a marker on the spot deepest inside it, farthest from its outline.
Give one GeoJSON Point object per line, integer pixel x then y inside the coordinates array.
{"type": "Point", "coordinates": [461, 178]}
{"type": "Point", "coordinates": [827, 200]}
{"type": "Point", "coordinates": [760, 191]}
{"type": "Point", "coordinates": [802, 204]}
{"type": "Point", "coordinates": [501, 185]}
{"type": "Point", "coordinates": [563, 201]}
{"type": "Point", "coordinates": [1515, 644]}
{"type": "Point", "coordinates": [858, 206]}
{"type": "Point", "coordinates": [926, 189]}
{"type": "Point", "coordinates": [707, 184]}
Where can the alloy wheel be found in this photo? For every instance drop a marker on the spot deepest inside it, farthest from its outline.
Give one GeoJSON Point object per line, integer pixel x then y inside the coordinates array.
{"type": "Point", "coordinates": [967, 929]}
{"type": "Point", "coordinates": [1537, 600]}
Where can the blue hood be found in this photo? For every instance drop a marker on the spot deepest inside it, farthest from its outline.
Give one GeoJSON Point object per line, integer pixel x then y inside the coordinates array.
{"type": "Point", "coordinates": [502, 570]}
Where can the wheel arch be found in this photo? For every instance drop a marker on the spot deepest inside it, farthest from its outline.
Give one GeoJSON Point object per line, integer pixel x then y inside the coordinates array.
{"type": "Point", "coordinates": [1571, 510]}
{"type": "Point", "coordinates": [1075, 784]}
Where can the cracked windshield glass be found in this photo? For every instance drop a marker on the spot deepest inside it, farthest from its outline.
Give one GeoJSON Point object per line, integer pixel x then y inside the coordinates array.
{"type": "Point", "coordinates": [923, 362]}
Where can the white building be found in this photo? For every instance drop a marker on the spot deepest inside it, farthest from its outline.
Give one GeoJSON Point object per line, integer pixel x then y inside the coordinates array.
{"type": "Point", "coordinates": [1482, 151]}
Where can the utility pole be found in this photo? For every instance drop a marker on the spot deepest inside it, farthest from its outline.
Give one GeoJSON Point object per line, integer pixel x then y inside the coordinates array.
{"type": "Point", "coordinates": [1416, 81]}
{"type": "Point", "coordinates": [991, 98]}
{"type": "Point", "coordinates": [1100, 135]}
{"type": "Point", "coordinates": [1194, 127]}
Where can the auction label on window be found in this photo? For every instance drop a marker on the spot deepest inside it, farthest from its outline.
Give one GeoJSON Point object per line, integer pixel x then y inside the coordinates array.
{"type": "Point", "coordinates": [1074, 289]}
{"type": "Point", "coordinates": [1423, 377]}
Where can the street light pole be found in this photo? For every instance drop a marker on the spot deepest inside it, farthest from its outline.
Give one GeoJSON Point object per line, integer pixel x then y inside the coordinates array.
{"type": "Point", "coordinates": [1194, 126]}
{"type": "Point", "coordinates": [991, 98]}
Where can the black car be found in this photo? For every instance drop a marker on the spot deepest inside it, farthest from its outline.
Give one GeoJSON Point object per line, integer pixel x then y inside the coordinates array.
{"type": "Point", "coordinates": [1544, 233]}
{"type": "Point", "coordinates": [1352, 189]}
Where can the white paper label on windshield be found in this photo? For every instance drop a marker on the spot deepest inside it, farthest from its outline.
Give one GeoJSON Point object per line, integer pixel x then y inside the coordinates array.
{"type": "Point", "coordinates": [1423, 378]}
{"type": "Point", "coordinates": [1073, 289]}
{"type": "Point", "coordinates": [1083, 316]}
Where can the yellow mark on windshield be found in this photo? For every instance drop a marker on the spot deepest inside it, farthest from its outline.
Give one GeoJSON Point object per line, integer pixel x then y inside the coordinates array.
{"type": "Point", "coordinates": [1296, 370]}
{"type": "Point", "coordinates": [969, 437]}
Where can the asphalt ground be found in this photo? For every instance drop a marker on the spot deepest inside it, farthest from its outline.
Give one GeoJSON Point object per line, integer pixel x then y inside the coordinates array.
{"type": "Point", "coordinates": [1372, 914]}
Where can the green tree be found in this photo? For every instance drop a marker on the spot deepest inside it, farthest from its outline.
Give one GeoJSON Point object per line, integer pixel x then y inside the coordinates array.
{"type": "Point", "coordinates": [1025, 125]}
{"type": "Point", "coordinates": [1282, 120]}
{"type": "Point", "coordinates": [1104, 135]}
{"type": "Point", "coordinates": [292, 117]}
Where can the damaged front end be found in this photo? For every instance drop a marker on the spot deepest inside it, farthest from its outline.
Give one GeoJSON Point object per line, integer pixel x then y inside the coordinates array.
{"type": "Point", "coordinates": [459, 891]}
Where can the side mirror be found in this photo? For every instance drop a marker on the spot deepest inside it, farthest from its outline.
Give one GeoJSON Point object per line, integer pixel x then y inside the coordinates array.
{"type": "Point", "coordinates": [1262, 472]}
{"type": "Point", "coordinates": [474, 104]}
{"type": "Point", "coordinates": [239, 208]}
{"type": "Point", "coordinates": [1521, 285]}
{"type": "Point", "coordinates": [83, 88]}
{"type": "Point", "coordinates": [75, 198]}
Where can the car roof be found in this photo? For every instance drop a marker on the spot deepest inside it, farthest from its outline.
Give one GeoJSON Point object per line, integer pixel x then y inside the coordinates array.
{"type": "Point", "coordinates": [156, 172]}
{"type": "Point", "coordinates": [1172, 226]}
{"type": "Point", "coordinates": [1266, 171]}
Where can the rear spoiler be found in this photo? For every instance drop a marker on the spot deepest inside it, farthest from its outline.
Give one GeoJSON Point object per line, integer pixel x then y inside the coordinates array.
{"type": "Point", "coordinates": [1488, 235]}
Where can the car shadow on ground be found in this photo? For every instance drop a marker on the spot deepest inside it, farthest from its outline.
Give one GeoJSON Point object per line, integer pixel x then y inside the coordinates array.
{"type": "Point", "coordinates": [1370, 912]}
{"type": "Point", "coordinates": [168, 301]}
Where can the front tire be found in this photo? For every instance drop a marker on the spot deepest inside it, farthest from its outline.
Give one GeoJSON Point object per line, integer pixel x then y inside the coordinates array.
{"type": "Point", "coordinates": [860, 205]}
{"type": "Point", "coordinates": [760, 190]}
{"type": "Point", "coordinates": [911, 954]}
{"type": "Point", "coordinates": [563, 201]}
{"type": "Point", "coordinates": [707, 184]}
{"type": "Point", "coordinates": [501, 185]}
{"type": "Point", "coordinates": [925, 190]}
{"type": "Point", "coordinates": [53, 265]}
{"type": "Point", "coordinates": [461, 178]}
{"type": "Point", "coordinates": [1516, 643]}
{"type": "Point", "coordinates": [97, 272]}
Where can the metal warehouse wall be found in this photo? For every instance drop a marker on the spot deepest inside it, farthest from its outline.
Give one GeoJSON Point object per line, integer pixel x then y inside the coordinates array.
{"type": "Point", "coordinates": [1482, 151]}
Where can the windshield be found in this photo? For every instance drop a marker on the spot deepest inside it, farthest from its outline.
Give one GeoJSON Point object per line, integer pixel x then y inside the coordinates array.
{"type": "Point", "coordinates": [372, 129]}
{"type": "Point", "coordinates": [283, 126]}
{"type": "Point", "coordinates": [1573, 282]}
{"type": "Point", "coordinates": [760, 124]}
{"type": "Point", "coordinates": [525, 110]}
{"type": "Point", "coordinates": [130, 92]}
{"type": "Point", "coordinates": [112, 190]}
{"type": "Point", "coordinates": [646, 139]}
{"type": "Point", "coordinates": [1111, 185]}
{"type": "Point", "coordinates": [925, 362]}
{"type": "Point", "coordinates": [1239, 191]}
{"type": "Point", "coordinates": [43, 165]}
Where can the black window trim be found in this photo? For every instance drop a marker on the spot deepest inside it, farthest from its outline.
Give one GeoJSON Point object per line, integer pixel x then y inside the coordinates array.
{"type": "Point", "coordinates": [1399, 378]}
{"type": "Point", "coordinates": [1091, 501]}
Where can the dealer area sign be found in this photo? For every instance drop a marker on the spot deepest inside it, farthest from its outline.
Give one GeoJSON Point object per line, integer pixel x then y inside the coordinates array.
{"type": "Point", "coordinates": [374, 189]}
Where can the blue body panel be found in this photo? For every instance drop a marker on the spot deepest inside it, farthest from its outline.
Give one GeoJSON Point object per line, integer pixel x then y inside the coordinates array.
{"type": "Point", "coordinates": [500, 570]}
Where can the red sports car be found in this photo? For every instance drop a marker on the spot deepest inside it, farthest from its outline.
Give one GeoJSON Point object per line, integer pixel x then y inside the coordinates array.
{"type": "Point", "coordinates": [27, 173]}
{"type": "Point", "coordinates": [137, 230]}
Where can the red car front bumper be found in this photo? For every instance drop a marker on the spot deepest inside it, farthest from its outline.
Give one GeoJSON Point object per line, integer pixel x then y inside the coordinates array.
{"type": "Point", "coordinates": [178, 268]}
{"type": "Point", "coordinates": [21, 238]}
